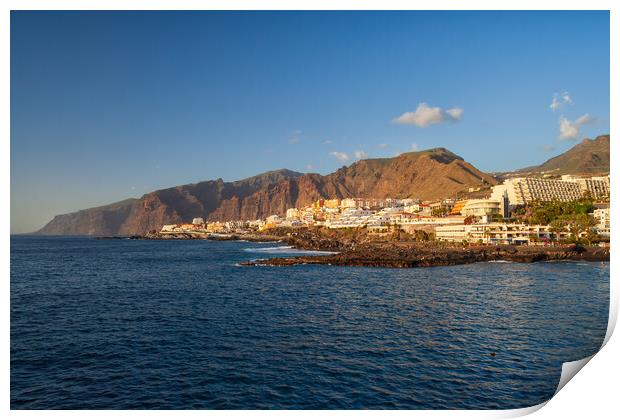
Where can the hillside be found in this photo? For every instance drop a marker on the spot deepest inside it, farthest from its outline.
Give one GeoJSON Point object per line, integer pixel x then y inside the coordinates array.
{"type": "Point", "coordinates": [589, 157]}
{"type": "Point", "coordinates": [428, 174]}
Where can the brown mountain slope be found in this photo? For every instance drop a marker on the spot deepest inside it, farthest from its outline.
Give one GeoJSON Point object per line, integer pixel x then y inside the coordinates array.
{"type": "Point", "coordinates": [588, 157]}
{"type": "Point", "coordinates": [429, 174]}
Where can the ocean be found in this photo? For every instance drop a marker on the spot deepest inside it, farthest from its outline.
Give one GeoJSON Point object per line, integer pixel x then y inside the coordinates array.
{"type": "Point", "coordinates": [130, 324]}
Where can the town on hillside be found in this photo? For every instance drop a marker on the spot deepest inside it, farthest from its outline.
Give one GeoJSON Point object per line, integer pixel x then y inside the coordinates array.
{"type": "Point", "coordinates": [520, 211]}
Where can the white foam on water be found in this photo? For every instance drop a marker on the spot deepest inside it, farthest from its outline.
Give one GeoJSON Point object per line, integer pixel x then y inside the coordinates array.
{"type": "Point", "coordinates": [287, 250]}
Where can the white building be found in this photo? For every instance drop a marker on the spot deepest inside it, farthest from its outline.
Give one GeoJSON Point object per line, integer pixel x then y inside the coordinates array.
{"type": "Point", "coordinates": [169, 228]}
{"type": "Point", "coordinates": [602, 218]}
{"type": "Point", "coordinates": [597, 186]}
{"type": "Point", "coordinates": [292, 214]}
{"type": "Point", "coordinates": [521, 191]}
{"type": "Point", "coordinates": [412, 208]}
{"type": "Point", "coordinates": [307, 216]}
{"type": "Point", "coordinates": [274, 219]}
{"type": "Point", "coordinates": [350, 218]}
{"type": "Point", "coordinates": [481, 207]}
{"type": "Point", "coordinates": [496, 233]}
{"type": "Point", "coordinates": [198, 221]}
{"type": "Point", "coordinates": [348, 203]}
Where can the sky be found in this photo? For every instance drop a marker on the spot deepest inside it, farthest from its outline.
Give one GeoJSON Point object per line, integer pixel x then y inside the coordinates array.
{"type": "Point", "coordinates": [111, 105]}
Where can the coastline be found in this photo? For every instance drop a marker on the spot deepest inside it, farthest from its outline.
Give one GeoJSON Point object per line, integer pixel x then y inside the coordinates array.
{"type": "Point", "coordinates": [427, 256]}
{"type": "Point", "coordinates": [362, 250]}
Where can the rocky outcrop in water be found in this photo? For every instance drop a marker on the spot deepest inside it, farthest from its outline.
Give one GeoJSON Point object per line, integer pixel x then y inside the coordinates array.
{"type": "Point", "coordinates": [427, 255]}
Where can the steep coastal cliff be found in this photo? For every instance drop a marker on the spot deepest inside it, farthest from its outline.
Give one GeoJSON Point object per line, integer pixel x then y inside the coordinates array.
{"type": "Point", "coordinates": [428, 174]}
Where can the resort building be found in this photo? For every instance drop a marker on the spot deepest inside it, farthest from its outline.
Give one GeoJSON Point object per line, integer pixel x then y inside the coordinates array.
{"type": "Point", "coordinates": [452, 233]}
{"type": "Point", "coordinates": [597, 186]}
{"type": "Point", "coordinates": [411, 208]}
{"type": "Point", "coordinates": [458, 207]}
{"type": "Point", "coordinates": [602, 218]}
{"type": "Point", "coordinates": [525, 190]}
{"type": "Point", "coordinates": [522, 191]}
{"type": "Point", "coordinates": [496, 233]}
{"type": "Point", "coordinates": [481, 207]}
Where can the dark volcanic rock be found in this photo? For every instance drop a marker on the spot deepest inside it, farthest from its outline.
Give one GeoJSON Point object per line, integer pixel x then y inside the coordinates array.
{"type": "Point", "coordinates": [419, 255]}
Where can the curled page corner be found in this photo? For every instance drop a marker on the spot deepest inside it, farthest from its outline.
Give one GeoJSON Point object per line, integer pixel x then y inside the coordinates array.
{"type": "Point", "coordinates": [519, 412]}
{"type": "Point", "coordinates": [570, 369]}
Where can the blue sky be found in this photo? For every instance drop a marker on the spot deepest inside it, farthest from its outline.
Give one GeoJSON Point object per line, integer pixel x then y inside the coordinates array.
{"type": "Point", "coordinates": [111, 105]}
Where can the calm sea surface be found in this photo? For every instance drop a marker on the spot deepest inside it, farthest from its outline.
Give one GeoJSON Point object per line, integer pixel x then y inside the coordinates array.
{"type": "Point", "coordinates": [121, 324]}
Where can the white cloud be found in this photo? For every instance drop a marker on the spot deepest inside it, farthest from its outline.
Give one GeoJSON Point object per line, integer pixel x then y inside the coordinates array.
{"type": "Point", "coordinates": [327, 141]}
{"type": "Point", "coordinates": [455, 113]}
{"type": "Point", "coordinates": [414, 147]}
{"type": "Point", "coordinates": [569, 130]}
{"type": "Point", "coordinates": [555, 104]}
{"type": "Point", "coordinates": [559, 100]}
{"type": "Point", "coordinates": [425, 115]}
{"type": "Point", "coordinates": [382, 145]}
{"type": "Point", "coordinates": [309, 167]}
{"type": "Point", "coordinates": [341, 156]}
{"type": "Point", "coordinates": [360, 154]}
{"type": "Point", "coordinates": [295, 137]}
{"type": "Point", "coordinates": [584, 119]}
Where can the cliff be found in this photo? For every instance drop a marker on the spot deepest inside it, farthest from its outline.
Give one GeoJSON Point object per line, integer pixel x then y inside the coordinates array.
{"type": "Point", "coordinates": [429, 174]}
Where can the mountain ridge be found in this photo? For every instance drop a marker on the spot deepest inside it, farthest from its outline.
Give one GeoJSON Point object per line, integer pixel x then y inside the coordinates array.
{"type": "Point", "coordinates": [588, 157]}
{"type": "Point", "coordinates": [427, 174]}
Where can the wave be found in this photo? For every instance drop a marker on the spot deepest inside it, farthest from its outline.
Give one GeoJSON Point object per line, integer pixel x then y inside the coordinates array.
{"type": "Point", "coordinates": [268, 249]}
{"type": "Point", "coordinates": [287, 250]}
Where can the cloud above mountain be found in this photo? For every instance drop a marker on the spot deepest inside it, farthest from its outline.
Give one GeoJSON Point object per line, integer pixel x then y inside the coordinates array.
{"type": "Point", "coordinates": [425, 115]}
{"type": "Point", "coordinates": [341, 156]}
{"type": "Point", "coordinates": [559, 100]}
{"type": "Point", "coordinates": [569, 130]}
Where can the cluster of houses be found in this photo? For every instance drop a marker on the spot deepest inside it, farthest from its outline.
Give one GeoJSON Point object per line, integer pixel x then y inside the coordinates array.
{"type": "Point", "coordinates": [479, 220]}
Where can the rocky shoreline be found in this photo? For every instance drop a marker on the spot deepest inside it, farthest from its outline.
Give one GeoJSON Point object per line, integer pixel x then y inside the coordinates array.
{"type": "Point", "coordinates": [358, 248]}
{"type": "Point", "coordinates": [180, 236]}
{"type": "Point", "coordinates": [408, 256]}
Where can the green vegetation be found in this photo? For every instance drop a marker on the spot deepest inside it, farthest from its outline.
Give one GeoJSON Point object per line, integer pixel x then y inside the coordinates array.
{"type": "Point", "coordinates": [441, 211]}
{"type": "Point", "coordinates": [544, 213]}
{"type": "Point", "coordinates": [571, 216]}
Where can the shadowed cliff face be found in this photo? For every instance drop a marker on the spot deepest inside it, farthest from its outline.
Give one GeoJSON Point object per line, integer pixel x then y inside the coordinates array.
{"type": "Point", "coordinates": [431, 174]}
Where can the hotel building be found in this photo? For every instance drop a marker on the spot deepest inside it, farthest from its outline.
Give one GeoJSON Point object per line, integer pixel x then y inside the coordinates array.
{"type": "Point", "coordinates": [522, 191]}
{"type": "Point", "coordinates": [496, 233]}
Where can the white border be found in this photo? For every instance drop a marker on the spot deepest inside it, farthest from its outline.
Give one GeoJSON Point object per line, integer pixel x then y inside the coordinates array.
{"type": "Point", "coordinates": [596, 384]}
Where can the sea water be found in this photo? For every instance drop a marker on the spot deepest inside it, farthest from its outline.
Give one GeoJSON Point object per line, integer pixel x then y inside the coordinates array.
{"type": "Point", "coordinates": [120, 324]}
